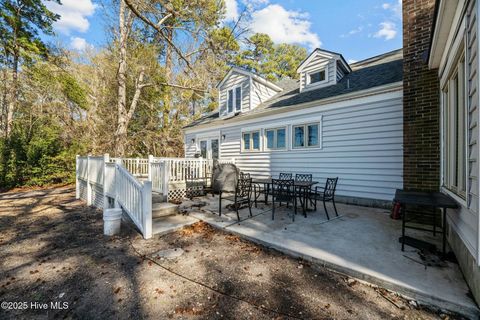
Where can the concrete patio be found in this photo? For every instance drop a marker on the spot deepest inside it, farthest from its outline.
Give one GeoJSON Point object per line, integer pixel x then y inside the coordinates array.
{"type": "Point", "coordinates": [362, 243]}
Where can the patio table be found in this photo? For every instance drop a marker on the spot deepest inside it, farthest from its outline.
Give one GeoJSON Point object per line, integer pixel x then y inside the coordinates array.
{"type": "Point", "coordinates": [425, 199]}
{"type": "Point", "coordinates": [305, 186]}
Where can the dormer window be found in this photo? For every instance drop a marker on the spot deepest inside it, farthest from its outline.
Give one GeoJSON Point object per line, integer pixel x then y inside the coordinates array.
{"type": "Point", "coordinates": [322, 68]}
{"type": "Point", "coordinates": [317, 77]}
{"type": "Point", "coordinates": [234, 101]}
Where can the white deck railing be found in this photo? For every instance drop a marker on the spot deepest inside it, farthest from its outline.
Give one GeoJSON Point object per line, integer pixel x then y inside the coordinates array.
{"type": "Point", "coordinates": [167, 171]}
{"type": "Point", "coordinates": [135, 198]}
{"type": "Point", "coordinates": [138, 167]}
{"type": "Point", "coordinates": [158, 176]}
{"type": "Point", "coordinates": [104, 182]}
{"type": "Point", "coordinates": [99, 180]}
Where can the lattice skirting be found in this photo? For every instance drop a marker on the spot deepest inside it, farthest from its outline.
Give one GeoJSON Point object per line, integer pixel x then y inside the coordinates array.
{"type": "Point", "coordinates": [177, 191]}
{"type": "Point", "coordinates": [177, 194]}
{"type": "Point", "coordinates": [82, 185]}
{"type": "Point", "coordinates": [97, 196]}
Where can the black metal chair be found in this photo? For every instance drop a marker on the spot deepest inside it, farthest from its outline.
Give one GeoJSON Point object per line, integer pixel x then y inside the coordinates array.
{"type": "Point", "coordinates": [244, 175]}
{"type": "Point", "coordinates": [304, 177]}
{"type": "Point", "coordinates": [266, 190]}
{"type": "Point", "coordinates": [303, 193]}
{"type": "Point", "coordinates": [243, 194]}
{"type": "Point", "coordinates": [285, 176]}
{"type": "Point", "coordinates": [327, 194]}
{"type": "Point", "coordinates": [283, 191]}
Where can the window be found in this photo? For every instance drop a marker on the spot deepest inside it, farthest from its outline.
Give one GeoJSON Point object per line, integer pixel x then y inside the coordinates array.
{"type": "Point", "coordinates": [306, 135]}
{"type": "Point", "coordinates": [234, 99]}
{"type": "Point", "coordinates": [251, 141]}
{"type": "Point", "coordinates": [203, 148]}
{"type": "Point", "coordinates": [318, 76]}
{"type": "Point", "coordinates": [230, 101]}
{"type": "Point", "coordinates": [455, 130]}
{"type": "Point", "coordinates": [238, 98]}
{"type": "Point", "coordinates": [275, 138]}
{"type": "Point", "coordinates": [215, 148]}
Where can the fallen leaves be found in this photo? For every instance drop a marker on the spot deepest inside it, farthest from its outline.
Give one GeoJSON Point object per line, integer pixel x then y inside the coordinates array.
{"type": "Point", "coordinates": [198, 228]}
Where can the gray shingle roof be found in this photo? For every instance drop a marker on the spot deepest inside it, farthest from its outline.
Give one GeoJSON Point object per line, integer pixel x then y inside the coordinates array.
{"type": "Point", "coordinates": [365, 76]}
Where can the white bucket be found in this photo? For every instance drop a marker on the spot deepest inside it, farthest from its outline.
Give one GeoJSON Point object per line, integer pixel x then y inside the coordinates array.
{"type": "Point", "coordinates": [112, 219]}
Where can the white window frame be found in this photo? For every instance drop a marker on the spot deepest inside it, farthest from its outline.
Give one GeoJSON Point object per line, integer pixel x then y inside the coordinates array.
{"type": "Point", "coordinates": [251, 140]}
{"type": "Point", "coordinates": [234, 100]}
{"type": "Point", "coordinates": [309, 83]}
{"type": "Point", "coordinates": [275, 137]}
{"type": "Point", "coordinates": [305, 135]}
{"type": "Point", "coordinates": [458, 169]}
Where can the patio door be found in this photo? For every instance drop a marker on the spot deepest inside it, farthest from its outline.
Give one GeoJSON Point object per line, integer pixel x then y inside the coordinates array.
{"type": "Point", "coordinates": [209, 148]}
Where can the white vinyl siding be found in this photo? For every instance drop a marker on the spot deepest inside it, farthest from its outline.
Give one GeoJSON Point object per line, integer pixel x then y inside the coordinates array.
{"type": "Point", "coordinates": [361, 144]}
{"type": "Point", "coordinates": [260, 93]}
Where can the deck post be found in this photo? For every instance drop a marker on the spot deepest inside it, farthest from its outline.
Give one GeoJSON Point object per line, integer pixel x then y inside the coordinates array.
{"type": "Point", "coordinates": [147, 209]}
{"type": "Point", "coordinates": [150, 160]}
{"type": "Point", "coordinates": [166, 178]}
{"type": "Point", "coordinates": [77, 184]}
{"type": "Point", "coordinates": [106, 159]}
{"type": "Point", "coordinates": [116, 204]}
{"type": "Point", "coordinates": [89, 185]}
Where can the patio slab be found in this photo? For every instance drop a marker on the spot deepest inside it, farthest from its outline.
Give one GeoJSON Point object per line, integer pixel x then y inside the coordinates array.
{"type": "Point", "coordinates": [362, 243]}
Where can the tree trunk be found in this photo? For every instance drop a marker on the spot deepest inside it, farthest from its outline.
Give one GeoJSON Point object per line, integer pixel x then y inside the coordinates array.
{"type": "Point", "coordinates": [121, 132]}
{"type": "Point", "coordinates": [168, 77]}
{"type": "Point", "coordinates": [14, 96]}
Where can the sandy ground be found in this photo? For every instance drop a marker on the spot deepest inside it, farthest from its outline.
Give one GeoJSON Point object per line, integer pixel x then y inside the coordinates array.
{"type": "Point", "coordinates": [56, 263]}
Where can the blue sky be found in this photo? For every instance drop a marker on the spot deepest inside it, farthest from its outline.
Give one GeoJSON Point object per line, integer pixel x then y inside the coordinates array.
{"type": "Point", "coordinates": [357, 29]}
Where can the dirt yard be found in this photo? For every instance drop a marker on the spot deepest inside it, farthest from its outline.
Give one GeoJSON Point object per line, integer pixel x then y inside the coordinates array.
{"type": "Point", "coordinates": [56, 263]}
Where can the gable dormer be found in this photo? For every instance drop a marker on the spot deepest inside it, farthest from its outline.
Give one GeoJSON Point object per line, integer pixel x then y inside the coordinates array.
{"type": "Point", "coordinates": [241, 91]}
{"type": "Point", "coordinates": [322, 68]}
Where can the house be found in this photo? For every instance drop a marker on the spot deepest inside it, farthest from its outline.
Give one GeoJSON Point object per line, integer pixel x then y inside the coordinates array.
{"type": "Point", "coordinates": [449, 104]}
{"type": "Point", "coordinates": [336, 120]}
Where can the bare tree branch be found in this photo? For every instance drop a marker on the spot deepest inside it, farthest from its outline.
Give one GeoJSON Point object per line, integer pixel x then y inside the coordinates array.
{"type": "Point", "coordinates": [160, 31]}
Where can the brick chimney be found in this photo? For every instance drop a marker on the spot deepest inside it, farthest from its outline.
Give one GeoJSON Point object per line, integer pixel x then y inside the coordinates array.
{"type": "Point", "coordinates": [421, 105]}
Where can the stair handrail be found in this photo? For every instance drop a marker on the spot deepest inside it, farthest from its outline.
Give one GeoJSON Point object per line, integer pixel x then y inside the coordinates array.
{"type": "Point", "coordinates": [135, 198]}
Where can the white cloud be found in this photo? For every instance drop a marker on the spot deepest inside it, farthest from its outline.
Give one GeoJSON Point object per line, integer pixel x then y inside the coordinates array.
{"type": "Point", "coordinates": [79, 44]}
{"type": "Point", "coordinates": [350, 61]}
{"type": "Point", "coordinates": [387, 31]}
{"type": "Point", "coordinates": [231, 10]}
{"type": "Point", "coordinates": [395, 8]}
{"type": "Point", "coordinates": [284, 26]}
{"type": "Point", "coordinates": [73, 15]}
{"type": "Point", "coordinates": [352, 32]}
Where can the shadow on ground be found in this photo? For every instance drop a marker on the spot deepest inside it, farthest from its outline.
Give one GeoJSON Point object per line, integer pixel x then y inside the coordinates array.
{"type": "Point", "coordinates": [52, 250]}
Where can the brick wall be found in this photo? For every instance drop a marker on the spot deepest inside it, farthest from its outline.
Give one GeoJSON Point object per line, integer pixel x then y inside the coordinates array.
{"type": "Point", "coordinates": [420, 99]}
